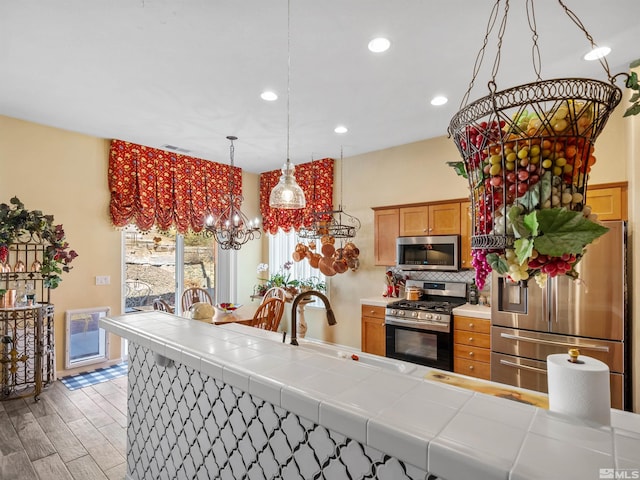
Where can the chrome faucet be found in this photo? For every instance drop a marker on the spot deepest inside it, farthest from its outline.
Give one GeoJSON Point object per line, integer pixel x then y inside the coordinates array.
{"type": "Point", "coordinates": [331, 318]}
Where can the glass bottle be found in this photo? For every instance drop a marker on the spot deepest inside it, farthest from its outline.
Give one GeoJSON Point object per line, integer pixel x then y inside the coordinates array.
{"type": "Point", "coordinates": [473, 294]}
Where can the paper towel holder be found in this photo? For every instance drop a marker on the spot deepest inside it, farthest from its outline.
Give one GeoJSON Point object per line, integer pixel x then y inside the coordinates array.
{"type": "Point", "coordinates": [574, 353]}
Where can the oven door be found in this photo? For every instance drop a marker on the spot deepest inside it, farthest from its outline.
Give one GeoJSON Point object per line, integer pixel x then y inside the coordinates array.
{"type": "Point", "coordinates": [419, 342]}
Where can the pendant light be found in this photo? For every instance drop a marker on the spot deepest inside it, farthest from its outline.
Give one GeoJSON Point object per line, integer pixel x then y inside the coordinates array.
{"type": "Point", "coordinates": [232, 229]}
{"type": "Point", "coordinates": [287, 194]}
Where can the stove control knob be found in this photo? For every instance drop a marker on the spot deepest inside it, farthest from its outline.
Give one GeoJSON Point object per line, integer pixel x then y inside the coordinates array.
{"type": "Point", "coordinates": [414, 314]}
{"type": "Point", "coordinates": [436, 317]}
{"type": "Point", "coordinates": [401, 313]}
{"type": "Point", "coordinates": [428, 316]}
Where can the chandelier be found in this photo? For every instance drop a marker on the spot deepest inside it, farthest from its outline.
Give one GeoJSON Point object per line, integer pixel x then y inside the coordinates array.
{"type": "Point", "coordinates": [232, 229]}
{"type": "Point", "coordinates": [287, 194]}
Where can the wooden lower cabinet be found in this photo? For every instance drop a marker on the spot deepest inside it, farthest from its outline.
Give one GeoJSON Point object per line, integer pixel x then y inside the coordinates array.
{"type": "Point", "coordinates": [472, 346]}
{"type": "Point", "coordinates": [373, 333]}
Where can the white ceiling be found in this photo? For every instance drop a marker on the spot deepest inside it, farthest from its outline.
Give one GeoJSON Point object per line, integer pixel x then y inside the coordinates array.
{"type": "Point", "coordinates": [189, 72]}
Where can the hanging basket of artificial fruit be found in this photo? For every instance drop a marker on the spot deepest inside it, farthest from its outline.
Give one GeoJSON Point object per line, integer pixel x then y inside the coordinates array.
{"type": "Point", "coordinates": [527, 153]}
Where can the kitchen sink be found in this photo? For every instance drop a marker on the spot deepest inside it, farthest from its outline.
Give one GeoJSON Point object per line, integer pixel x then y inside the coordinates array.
{"type": "Point", "coordinates": [353, 355]}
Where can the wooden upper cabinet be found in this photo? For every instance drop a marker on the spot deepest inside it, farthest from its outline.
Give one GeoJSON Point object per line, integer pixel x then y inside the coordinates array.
{"type": "Point", "coordinates": [386, 230]}
{"type": "Point", "coordinates": [465, 235]}
{"type": "Point", "coordinates": [414, 221]}
{"type": "Point", "coordinates": [444, 219]}
{"type": "Point", "coordinates": [433, 219]}
{"type": "Point", "coordinates": [608, 202]}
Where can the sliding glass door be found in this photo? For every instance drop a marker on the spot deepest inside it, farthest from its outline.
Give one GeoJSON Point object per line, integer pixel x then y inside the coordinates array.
{"type": "Point", "coordinates": [161, 265]}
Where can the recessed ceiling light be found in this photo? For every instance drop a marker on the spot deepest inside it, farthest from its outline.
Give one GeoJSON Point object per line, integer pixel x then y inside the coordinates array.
{"type": "Point", "coordinates": [341, 129]}
{"type": "Point", "coordinates": [597, 53]}
{"type": "Point", "coordinates": [380, 44]}
{"type": "Point", "coordinates": [439, 100]}
{"type": "Point", "coordinates": [269, 96]}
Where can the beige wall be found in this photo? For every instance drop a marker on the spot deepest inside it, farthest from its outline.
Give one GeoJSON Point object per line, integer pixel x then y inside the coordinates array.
{"type": "Point", "coordinates": [65, 174]}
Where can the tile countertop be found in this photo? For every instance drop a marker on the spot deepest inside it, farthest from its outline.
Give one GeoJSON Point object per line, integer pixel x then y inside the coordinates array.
{"type": "Point", "coordinates": [378, 301]}
{"type": "Point", "coordinates": [451, 432]}
{"type": "Point", "coordinates": [477, 311]}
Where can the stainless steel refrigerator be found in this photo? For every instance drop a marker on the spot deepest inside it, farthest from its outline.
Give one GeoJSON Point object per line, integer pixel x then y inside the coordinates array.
{"type": "Point", "coordinates": [530, 323]}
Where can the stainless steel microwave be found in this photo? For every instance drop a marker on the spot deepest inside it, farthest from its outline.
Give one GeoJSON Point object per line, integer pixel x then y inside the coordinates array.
{"type": "Point", "coordinates": [433, 252]}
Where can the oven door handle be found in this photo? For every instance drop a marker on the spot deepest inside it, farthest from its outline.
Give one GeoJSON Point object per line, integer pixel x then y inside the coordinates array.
{"type": "Point", "coordinates": [599, 348]}
{"type": "Point", "coordinates": [433, 326]}
{"type": "Point", "coordinates": [522, 367]}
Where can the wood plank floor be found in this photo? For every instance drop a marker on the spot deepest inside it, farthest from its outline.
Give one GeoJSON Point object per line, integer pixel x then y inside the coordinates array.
{"type": "Point", "coordinates": [67, 435]}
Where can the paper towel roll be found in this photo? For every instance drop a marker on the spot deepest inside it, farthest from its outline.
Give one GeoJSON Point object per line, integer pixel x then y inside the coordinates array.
{"type": "Point", "coordinates": [579, 389]}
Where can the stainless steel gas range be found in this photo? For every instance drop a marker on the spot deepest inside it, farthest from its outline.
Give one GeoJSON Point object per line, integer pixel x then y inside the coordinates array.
{"type": "Point", "coordinates": [420, 331]}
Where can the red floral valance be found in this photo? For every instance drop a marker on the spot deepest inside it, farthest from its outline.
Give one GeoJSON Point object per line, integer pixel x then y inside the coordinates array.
{"type": "Point", "coordinates": [316, 180]}
{"type": "Point", "coordinates": [150, 186]}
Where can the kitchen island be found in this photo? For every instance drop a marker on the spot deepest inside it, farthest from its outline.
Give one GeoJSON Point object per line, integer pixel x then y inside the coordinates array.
{"type": "Point", "coordinates": [231, 401]}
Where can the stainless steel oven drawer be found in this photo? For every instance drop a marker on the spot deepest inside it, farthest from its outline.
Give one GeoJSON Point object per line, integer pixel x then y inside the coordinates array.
{"type": "Point", "coordinates": [537, 346]}
{"type": "Point", "coordinates": [532, 375]}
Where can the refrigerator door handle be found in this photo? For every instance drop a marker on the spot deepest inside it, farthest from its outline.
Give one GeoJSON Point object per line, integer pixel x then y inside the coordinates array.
{"type": "Point", "coordinates": [522, 367]}
{"type": "Point", "coordinates": [599, 348]}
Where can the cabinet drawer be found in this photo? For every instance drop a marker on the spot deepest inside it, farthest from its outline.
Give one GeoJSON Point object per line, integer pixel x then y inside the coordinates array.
{"type": "Point", "coordinates": [471, 324]}
{"type": "Point", "coordinates": [373, 311]}
{"type": "Point", "coordinates": [472, 353]}
{"type": "Point", "coordinates": [471, 368]}
{"type": "Point", "coordinates": [464, 337]}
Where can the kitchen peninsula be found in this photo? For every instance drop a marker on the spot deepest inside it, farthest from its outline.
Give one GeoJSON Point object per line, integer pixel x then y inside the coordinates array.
{"type": "Point", "coordinates": [231, 401]}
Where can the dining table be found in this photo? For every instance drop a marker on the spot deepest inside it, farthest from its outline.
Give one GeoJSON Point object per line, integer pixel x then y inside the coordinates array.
{"type": "Point", "coordinates": [243, 314]}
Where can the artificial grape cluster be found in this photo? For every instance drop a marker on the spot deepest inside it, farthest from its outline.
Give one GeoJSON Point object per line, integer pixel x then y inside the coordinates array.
{"type": "Point", "coordinates": [552, 266]}
{"type": "Point", "coordinates": [517, 272]}
{"type": "Point", "coordinates": [479, 262]}
{"type": "Point", "coordinates": [4, 253]}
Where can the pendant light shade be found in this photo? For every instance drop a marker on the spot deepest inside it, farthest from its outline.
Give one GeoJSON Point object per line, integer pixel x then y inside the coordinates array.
{"type": "Point", "coordinates": [287, 194]}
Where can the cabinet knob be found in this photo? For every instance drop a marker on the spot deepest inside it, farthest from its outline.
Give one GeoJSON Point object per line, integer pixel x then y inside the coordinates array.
{"type": "Point", "coordinates": [471, 339]}
{"type": "Point", "coordinates": [470, 367]}
{"type": "Point", "coordinates": [471, 354]}
{"type": "Point", "coordinates": [471, 325]}
{"type": "Point", "coordinates": [372, 311]}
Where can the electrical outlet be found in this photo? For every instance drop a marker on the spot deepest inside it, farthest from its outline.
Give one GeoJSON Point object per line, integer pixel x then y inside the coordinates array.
{"type": "Point", "coordinates": [103, 280]}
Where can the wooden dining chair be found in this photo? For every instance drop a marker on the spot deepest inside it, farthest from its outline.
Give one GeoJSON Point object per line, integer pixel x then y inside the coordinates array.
{"type": "Point", "coordinates": [269, 314]}
{"type": "Point", "coordinates": [162, 305]}
{"type": "Point", "coordinates": [194, 295]}
{"type": "Point", "coordinates": [275, 292]}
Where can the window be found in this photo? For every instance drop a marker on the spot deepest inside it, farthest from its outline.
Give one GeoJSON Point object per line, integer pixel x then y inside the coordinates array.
{"type": "Point", "coordinates": [281, 247]}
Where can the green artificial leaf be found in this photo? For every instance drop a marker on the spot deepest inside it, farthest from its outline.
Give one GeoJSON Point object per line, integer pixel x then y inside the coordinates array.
{"type": "Point", "coordinates": [516, 219]}
{"type": "Point", "coordinates": [458, 167]}
{"type": "Point", "coordinates": [635, 63]}
{"type": "Point", "coordinates": [498, 263]}
{"type": "Point", "coordinates": [564, 231]}
{"type": "Point", "coordinates": [523, 248]}
{"type": "Point", "coordinates": [632, 81]}
{"type": "Point", "coordinates": [632, 110]}
{"type": "Point", "coordinates": [635, 97]}
{"type": "Point", "coordinates": [531, 222]}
